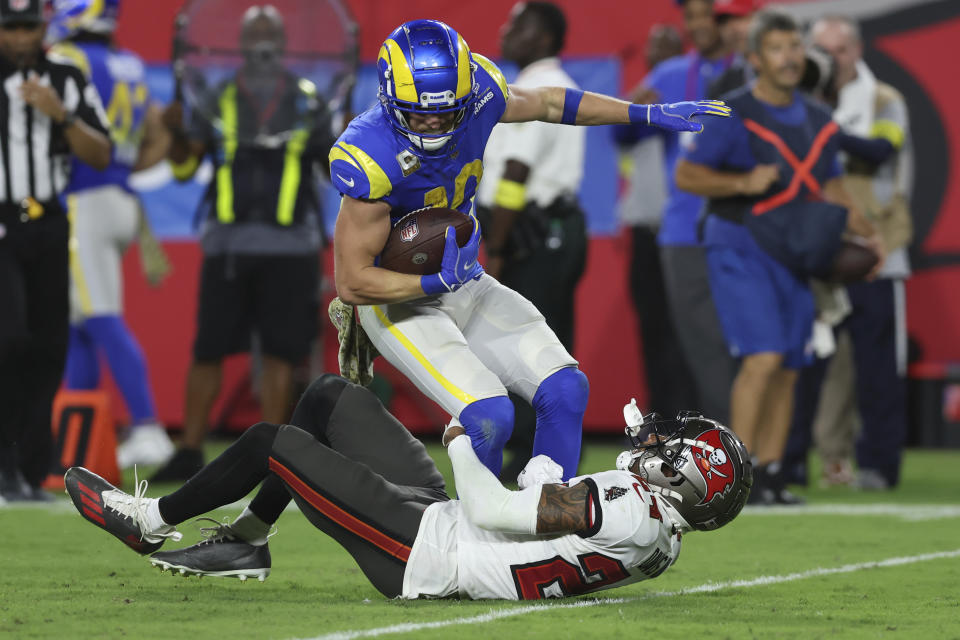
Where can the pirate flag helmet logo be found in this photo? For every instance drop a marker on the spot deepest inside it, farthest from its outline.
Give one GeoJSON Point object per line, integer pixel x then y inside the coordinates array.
{"type": "Point", "coordinates": [700, 467]}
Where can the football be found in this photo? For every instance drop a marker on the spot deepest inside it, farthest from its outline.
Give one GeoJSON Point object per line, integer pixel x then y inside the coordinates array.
{"type": "Point", "coordinates": [852, 262]}
{"type": "Point", "coordinates": [416, 242]}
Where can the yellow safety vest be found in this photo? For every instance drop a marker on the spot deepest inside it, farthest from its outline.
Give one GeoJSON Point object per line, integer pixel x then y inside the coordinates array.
{"type": "Point", "coordinates": [289, 182]}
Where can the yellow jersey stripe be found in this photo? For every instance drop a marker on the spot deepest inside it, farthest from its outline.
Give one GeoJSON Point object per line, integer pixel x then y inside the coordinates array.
{"type": "Point", "coordinates": [76, 268]}
{"type": "Point", "coordinates": [337, 153]}
{"type": "Point", "coordinates": [377, 177]}
{"type": "Point", "coordinates": [458, 393]}
{"type": "Point", "coordinates": [494, 72]}
{"type": "Point", "coordinates": [71, 54]}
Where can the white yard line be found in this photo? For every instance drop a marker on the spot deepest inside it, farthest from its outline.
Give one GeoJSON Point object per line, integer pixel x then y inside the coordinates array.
{"type": "Point", "coordinates": [498, 614]}
{"type": "Point", "coordinates": [910, 512]}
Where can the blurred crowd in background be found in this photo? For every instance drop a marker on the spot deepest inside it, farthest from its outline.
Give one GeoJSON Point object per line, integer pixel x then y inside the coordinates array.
{"type": "Point", "coordinates": [265, 99]}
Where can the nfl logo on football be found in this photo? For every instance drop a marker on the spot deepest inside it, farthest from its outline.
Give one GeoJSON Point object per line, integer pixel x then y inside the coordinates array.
{"type": "Point", "coordinates": [409, 230]}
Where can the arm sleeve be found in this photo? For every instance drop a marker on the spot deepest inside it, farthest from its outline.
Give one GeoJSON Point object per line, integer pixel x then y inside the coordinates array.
{"type": "Point", "coordinates": [486, 502]}
{"type": "Point", "coordinates": [873, 150]}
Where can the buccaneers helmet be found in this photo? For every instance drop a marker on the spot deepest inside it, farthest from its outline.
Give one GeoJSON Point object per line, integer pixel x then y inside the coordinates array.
{"type": "Point", "coordinates": [696, 464]}
{"type": "Point", "coordinates": [424, 66]}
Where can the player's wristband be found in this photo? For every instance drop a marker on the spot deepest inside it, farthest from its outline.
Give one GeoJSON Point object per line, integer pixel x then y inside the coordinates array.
{"type": "Point", "coordinates": [571, 104]}
{"type": "Point", "coordinates": [510, 195]}
{"type": "Point", "coordinates": [639, 113]}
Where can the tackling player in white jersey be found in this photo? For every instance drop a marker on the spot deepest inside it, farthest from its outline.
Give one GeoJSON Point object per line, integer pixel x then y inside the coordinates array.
{"type": "Point", "coordinates": [360, 477]}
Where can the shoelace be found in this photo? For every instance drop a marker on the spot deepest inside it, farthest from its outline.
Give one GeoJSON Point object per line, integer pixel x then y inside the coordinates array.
{"type": "Point", "coordinates": [222, 531]}
{"type": "Point", "coordinates": [218, 533]}
{"type": "Point", "coordinates": [135, 507]}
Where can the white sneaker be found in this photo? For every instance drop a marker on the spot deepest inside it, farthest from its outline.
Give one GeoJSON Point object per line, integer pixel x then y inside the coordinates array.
{"type": "Point", "coordinates": [147, 444]}
{"type": "Point", "coordinates": [121, 514]}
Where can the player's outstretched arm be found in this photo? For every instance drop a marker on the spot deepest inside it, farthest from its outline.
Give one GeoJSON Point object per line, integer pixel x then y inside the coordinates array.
{"type": "Point", "coordinates": [361, 231]}
{"type": "Point", "coordinates": [572, 106]}
{"type": "Point", "coordinates": [544, 509]}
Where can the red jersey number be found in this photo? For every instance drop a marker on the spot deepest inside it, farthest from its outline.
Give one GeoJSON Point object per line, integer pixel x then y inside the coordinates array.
{"type": "Point", "coordinates": [558, 577]}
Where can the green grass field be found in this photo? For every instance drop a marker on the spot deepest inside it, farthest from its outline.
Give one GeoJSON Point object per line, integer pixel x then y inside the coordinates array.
{"type": "Point", "coordinates": [849, 565]}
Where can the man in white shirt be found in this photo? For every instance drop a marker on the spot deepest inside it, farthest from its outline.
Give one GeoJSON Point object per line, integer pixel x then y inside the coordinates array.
{"type": "Point", "coordinates": [360, 477]}
{"type": "Point", "coordinates": [535, 231]}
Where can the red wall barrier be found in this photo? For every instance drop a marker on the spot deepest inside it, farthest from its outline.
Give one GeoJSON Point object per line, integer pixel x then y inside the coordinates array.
{"type": "Point", "coordinates": [909, 45]}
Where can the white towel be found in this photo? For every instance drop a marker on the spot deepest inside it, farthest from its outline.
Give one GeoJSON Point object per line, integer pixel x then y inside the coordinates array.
{"type": "Point", "coordinates": [855, 110]}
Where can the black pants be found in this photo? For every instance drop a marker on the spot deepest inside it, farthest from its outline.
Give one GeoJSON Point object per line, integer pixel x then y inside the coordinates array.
{"type": "Point", "coordinates": [353, 470]}
{"type": "Point", "coordinates": [548, 278]}
{"type": "Point", "coordinates": [34, 327]}
{"type": "Point", "coordinates": [881, 389]}
{"type": "Point", "coordinates": [668, 378]}
{"type": "Point", "coordinates": [697, 326]}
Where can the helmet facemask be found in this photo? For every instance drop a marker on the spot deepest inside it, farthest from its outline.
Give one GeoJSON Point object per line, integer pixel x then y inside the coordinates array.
{"type": "Point", "coordinates": [426, 141]}
{"type": "Point", "coordinates": [425, 68]}
{"type": "Point", "coordinates": [697, 465]}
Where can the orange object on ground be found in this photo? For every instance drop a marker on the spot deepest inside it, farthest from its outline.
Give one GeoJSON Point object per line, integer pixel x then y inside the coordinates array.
{"type": "Point", "coordinates": [83, 436]}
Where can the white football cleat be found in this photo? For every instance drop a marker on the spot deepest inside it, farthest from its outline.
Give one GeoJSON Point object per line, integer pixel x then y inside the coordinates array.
{"type": "Point", "coordinates": [147, 444]}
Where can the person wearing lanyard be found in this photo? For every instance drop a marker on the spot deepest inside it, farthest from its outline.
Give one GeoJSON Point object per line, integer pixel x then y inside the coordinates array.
{"type": "Point", "coordinates": [527, 202]}
{"type": "Point", "coordinates": [691, 307]}
{"type": "Point", "coordinates": [261, 235]}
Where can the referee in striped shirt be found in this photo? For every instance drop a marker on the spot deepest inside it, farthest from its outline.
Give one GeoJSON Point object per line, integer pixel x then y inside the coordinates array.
{"type": "Point", "coordinates": [48, 112]}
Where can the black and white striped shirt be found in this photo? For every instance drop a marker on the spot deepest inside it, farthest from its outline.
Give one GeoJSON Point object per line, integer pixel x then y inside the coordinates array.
{"type": "Point", "coordinates": [34, 155]}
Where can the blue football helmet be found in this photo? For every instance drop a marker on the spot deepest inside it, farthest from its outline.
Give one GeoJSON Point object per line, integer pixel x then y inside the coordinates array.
{"type": "Point", "coordinates": [424, 66]}
{"type": "Point", "coordinates": [71, 16]}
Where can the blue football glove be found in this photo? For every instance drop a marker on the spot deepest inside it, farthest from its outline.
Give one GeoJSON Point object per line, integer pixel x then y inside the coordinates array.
{"type": "Point", "coordinates": [676, 116]}
{"type": "Point", "coordinates": [459, 264]}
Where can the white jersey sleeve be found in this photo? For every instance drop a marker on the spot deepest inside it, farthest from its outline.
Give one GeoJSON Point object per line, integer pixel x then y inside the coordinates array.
{"type": "Point", "coordinates": [630, 537]}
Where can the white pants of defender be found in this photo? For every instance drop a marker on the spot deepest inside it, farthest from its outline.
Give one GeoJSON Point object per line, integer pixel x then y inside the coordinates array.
{"type": "Point", "coordinates": [103, 223]}
{"type": "Point", "coordinates": [475, 343]}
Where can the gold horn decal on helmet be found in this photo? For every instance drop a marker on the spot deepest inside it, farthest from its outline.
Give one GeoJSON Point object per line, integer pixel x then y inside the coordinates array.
{"type": "Point", "coordinates": [464, 76]}
{"type": "Point", "coordinates": [400, 72]}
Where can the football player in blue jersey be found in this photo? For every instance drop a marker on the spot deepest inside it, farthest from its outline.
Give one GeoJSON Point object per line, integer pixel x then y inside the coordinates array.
{"type": "Point", "coordinates": [106, 217]}
{"type": "Point", "coordinates": [462, 337]}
